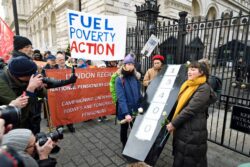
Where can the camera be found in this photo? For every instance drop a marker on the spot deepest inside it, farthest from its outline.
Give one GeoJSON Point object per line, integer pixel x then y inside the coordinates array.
{"type": "Point", "coordinates": [10, 114]}
{"type": "Point", "coordinates": [10, 157]}
{"type": "Point", "coordinates": [56, 135]}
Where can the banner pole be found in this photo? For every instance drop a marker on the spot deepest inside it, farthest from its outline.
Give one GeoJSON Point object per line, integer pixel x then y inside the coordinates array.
{"type": "Point", "coordinates": [48, 114]}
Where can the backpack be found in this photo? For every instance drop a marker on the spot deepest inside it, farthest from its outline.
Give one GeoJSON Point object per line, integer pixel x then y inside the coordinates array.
{"type": "Point", "coordinates": [112, 86]}
{"type": "Point", "coordinates": [113, 92]}
{"type": "Point", "coordinates": [215, 83]}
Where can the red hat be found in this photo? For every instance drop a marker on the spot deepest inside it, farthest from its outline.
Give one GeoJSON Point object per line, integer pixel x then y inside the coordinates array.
{"type": "Point", "coordinates": [158, 57]}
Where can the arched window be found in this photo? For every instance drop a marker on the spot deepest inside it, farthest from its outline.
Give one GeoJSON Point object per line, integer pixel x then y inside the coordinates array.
{"type": "Point", "coordinates": [39, 35]}
{"type": "Point", "coordinates": [53, 28]}
{"type": "Point", "coordinates": [211, 14]}
{"type": "Point", "coordinates": [34, 37]}
{"type": "Point", "coordinates": [46, 35]}
{"type": "Point", "coordinates": [196, 12]}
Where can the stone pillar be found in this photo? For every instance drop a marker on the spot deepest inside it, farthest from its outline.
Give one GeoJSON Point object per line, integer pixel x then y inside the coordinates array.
{"type": "Point", "coordinates": [49, 42]}
{"type": "Point", "coordinates": [180, 55]}
{"type": "Point", "coordinates": [75, 5]}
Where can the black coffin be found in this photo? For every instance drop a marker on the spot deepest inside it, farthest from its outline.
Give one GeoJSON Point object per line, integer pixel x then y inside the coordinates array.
{"type": "Point", "coordinates": [147, 137]}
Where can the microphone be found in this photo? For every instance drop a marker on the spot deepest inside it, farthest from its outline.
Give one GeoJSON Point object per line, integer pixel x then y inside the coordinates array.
{"type": "Point", "coordinates": [72, 73]}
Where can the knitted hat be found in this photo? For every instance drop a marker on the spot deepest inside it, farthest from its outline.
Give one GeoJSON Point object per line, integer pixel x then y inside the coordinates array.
{"type": "Point", "coordinates": [21, 66]}
{"type": "Point", "coordinates": [129, 59]}
{"type": "Point", "coordinates": [20, 42]}
{"type": "Point", "coordinates": [158, 57]}
{"type": "Point", "coordinates": [17, 138]}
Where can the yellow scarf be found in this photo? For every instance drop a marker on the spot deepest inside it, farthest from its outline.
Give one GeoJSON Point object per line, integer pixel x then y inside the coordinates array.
{"type": "Point", "coordinates": [187, 90]}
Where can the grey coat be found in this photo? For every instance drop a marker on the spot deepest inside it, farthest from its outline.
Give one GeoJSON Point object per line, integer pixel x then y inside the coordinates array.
{"type": "Point", "coordinates": [190, 136]}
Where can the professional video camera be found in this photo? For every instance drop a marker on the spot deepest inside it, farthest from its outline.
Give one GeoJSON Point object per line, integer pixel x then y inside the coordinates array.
{"type": "Point", "coordinates": [55, 136]}
{"type": "Point", "coordinates": [10, 114]}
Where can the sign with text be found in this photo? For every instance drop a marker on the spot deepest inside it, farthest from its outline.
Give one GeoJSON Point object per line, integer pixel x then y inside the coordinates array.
{"type": "Point", "coordinates": [240, 119]}
{"type": "Point", "coordinates": [150, 45]}
{"type": "Point", "coordinates": [88, 98]}
{"type": "Point", "coordinates": [96, 37]}
{"type": "Point", "coordinates": [6, 42]}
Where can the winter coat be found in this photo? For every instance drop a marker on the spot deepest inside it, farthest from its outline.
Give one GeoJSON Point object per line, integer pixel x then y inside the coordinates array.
{"type": "Point", "coordinates": [17, 54]}
{"type": "Point", "coordinates": [128, 93]}
{"type": "Point", "coordinates": [10, 89]}
{"type": "Point", "coordinates": [190, 135]}
{"type": "Point", "coordinates": [149, 76]}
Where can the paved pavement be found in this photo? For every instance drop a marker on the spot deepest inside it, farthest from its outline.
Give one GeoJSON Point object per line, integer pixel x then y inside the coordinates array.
{"type": "Point", "coordinates": [97, 145]}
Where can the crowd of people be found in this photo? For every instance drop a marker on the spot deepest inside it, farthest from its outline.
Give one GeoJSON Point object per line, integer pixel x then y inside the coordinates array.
{"type": "Point", "coordinates": [23, 85]}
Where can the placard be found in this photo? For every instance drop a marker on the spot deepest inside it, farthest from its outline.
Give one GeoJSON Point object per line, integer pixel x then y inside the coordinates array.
{"type": "Point", "coordinates": [240, 119]}
{"type": "Point", "coordinates": [97, 37]}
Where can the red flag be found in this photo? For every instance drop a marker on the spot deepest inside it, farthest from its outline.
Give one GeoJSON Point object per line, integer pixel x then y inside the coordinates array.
{"type": "Point", "coordinates": [6, 40]}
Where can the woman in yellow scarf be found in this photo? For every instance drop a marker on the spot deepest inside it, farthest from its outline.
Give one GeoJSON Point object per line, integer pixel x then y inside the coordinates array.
{"type": "Point", "coordinates": [189, 122]}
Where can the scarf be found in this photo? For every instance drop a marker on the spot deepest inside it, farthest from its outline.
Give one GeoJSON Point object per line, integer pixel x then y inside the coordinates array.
{"type": "Point", "coordinates": [187, 90]}
{"type": "Point", "coordinates": [126, 73]}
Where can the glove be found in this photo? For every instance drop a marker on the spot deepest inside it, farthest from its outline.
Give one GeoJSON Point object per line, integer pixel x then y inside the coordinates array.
{"type": "Point", "coordinates": [54, 83]}
{"type": "Point", "coordinates": [72, 79]}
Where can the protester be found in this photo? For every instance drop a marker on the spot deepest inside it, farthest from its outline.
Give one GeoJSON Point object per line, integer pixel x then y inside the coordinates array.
{"type": "Point", "coordinates": [112, 64]}
{"type": "Point", "coordinates": [46, 55]}
{"type": "Point", "coordinates": [189, 122]}
{"type": "Point", "coordinates": [22, 47]}
{"type": "Point", "coordinates": [60, 61]}
{"type": "Point", "coordinates": [81, 63]}
{"type": "Point", "coordinates": [128, 94]}
{"type": "Point", "coordinates": [37, 55]}
{"type": "Point", "coordinates": [100, 64]}
{"type": "Point", "coordinates": [158, 61]}
{"type": "Point", "coordinates": [23, 141]}
{"type": "Point", "coordinates": [51, 64]}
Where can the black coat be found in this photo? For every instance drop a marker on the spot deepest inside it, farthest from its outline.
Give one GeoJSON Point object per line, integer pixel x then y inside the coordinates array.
{"type": "Point", "coordinates": [190, 136]}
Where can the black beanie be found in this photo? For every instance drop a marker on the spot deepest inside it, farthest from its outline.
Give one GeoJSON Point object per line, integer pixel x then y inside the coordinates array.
{"type": "Point", "coordinates": [20, 42]}
{"type": "Point", "coordinates": [21, 66]}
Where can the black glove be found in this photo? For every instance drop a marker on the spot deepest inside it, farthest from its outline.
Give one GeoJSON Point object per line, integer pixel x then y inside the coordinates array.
{"type": "Point", "coordinates": [72, 79]}
{"type": "Point", "coordinates": [54, 83]}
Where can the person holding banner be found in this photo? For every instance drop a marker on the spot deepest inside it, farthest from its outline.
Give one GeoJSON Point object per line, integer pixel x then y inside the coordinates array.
{"type": "Point", "coordinates": [189, 122]}
{"type": "Point", "coordinates": [128, 94]}
{"type": "Point", "coordinates": [158, 62]}
{"type": "Point", "coordinates": [60, 61]}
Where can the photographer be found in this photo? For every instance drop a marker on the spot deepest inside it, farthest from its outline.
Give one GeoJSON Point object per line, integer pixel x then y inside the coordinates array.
{"type": "Point", "coordinates": [19, 79]}
{"type": "Point", "coordinates": [23, 141]}
{"type": "Point", "coordinates": [8, 155]}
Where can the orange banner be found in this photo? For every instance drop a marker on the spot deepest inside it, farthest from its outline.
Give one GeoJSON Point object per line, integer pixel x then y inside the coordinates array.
{"type": "Point", "coordinates": [6, 40]}
{"type": "Point", "coordinates": [88, 98]}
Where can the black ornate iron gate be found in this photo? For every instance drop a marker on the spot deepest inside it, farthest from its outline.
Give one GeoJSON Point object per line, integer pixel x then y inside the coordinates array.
{"type": "Point", "coordinates": [225, 42]}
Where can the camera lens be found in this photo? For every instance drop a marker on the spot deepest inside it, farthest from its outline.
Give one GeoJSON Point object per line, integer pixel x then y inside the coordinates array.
{"type": "Point", "coordinates": [42, 138]}
{"type": "Point", "coordinates": [58, 134]}
{"type": "Point", "coordinates": [11, 114]}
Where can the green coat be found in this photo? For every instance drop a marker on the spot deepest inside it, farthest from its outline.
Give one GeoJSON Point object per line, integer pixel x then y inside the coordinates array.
{"type": "Point", "coordinates": [112, 87]}
{"type": "Point", "coordinates": [10, 89]}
